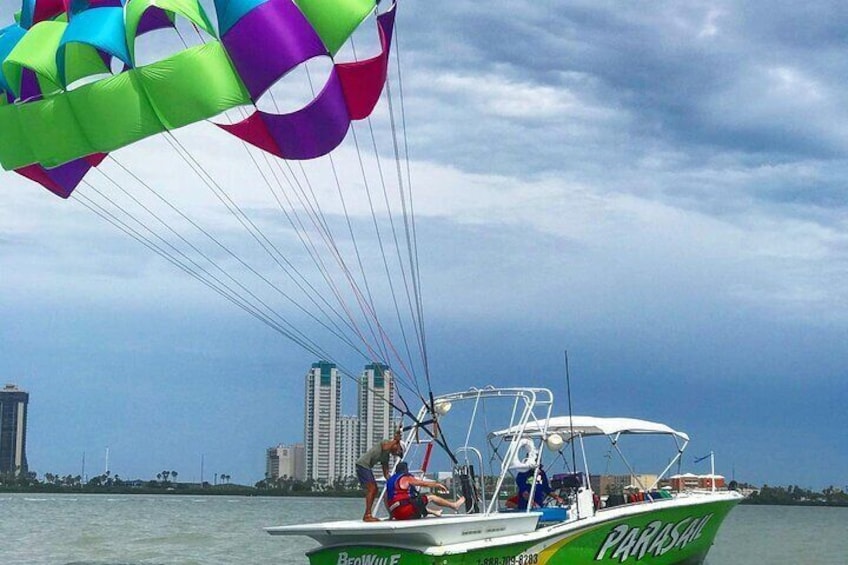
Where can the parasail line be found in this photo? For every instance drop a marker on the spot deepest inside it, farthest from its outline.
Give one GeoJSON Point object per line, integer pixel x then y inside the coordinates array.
{"type": "Point", "coordinates": [197, 267]}
{"type": "Point", "coordinates": [380, 242]}
{"type": "Point", "coordinates": [416, 269]}
{"type": "Point", "coordinates": [329, 241]}
{"type": "Point", "coordinates": [389, 278]}
{"type": "Point", "coordinates": [300, 237]}
{"type": "Point", "coordinates": [210, 260]}
{"type": "Point", "coordinates": [313, 209]}
{"type": "Point", "coordinates": [112, 219]}
{"type": "Point", "coordinates": [303, 232]}
{"type": "Point", "coordinates": [319, 223]}
{"type": "Point", "coordinates": [369, 295]}
{"type": "Point", "coordinates": [239, 214]}
{"type": "Point", "coordinates": [393, 230]}
{"type": "Point", "coordinates": [234, 209]}
{"type": "Point", "coordinates": [416, 282]}
{"type": "Point", "coordinates": [380, 343]}
{"type": "Point", "coordinates": [312, 251]}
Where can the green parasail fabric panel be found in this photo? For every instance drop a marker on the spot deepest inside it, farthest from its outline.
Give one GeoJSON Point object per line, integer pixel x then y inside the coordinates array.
{"type": "Point", "coordinates": [191, 86]}
{"type": "Point", "coordinates": [335, 20]}
{"type": "Point", "coordinates": [113, 113]}
{"type": "Point", "coordinates": [36, 51]}
{"type": "Point", "coordinates": [14, 151]}
{"type": "Point", "coordinates": [190, 9]}
{"type": "Point", "coordinates": [50, 129]}
{"type": "Point", "coordinates": [82, 61]}
{"type": "Point", "coordinates": [47, 86]}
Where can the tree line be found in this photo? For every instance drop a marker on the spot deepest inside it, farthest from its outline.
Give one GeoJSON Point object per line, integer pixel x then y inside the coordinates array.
{"type": "Point", "coordinates": [797, 496]}
{"type": "Point", "coordinates": [166, 479]}
{"type": "Point", "coordinates": [341, 486]}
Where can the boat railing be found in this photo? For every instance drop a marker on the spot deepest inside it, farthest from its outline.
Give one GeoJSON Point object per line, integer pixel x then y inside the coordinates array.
{"type": "Point", "coordinates": [529, 404]}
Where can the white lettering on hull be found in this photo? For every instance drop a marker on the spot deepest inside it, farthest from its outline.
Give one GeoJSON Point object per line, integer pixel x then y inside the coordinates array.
{"type": "Point", "coordinates": [367, 559]}
{"type": "Point", "coordinates": [657, 538]}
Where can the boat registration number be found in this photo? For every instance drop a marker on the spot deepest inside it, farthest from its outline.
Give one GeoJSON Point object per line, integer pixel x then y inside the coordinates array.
{"type": "Point", "coordinates": [520, 559]}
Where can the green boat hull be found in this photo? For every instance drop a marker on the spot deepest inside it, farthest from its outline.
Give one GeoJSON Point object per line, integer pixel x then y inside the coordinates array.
{"type": "Point", "coordinates": [672, 535]}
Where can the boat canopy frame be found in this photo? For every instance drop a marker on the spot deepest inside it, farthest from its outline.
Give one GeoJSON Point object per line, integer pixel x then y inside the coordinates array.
{"type": "Point", "coordinates": [572, 427]}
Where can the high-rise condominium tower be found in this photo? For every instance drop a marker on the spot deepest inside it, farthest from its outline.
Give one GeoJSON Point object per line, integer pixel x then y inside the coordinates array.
{"type": "Point", "coordinates": [322, 413]}
{"type": "Point", "coordinates": [13, 420]}
{"type": "Point", "coordinates": [376, 395]}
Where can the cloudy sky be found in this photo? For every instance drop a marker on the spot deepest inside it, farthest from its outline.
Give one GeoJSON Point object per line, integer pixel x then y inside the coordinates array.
{"type": "Point", "coordinates": [657, 187]}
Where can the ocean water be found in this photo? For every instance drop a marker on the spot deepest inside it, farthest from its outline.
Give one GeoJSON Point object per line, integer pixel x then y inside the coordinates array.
{"type": "Point", "coordinates": [185, 530]}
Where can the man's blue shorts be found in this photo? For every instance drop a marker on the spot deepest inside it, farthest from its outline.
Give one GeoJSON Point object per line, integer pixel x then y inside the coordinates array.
{"type": "Point", "coordinates": [365, 476]}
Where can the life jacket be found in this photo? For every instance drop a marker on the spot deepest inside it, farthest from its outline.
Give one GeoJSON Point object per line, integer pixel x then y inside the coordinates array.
{"type": "Point", "coordinates": [394, 493]}
{"type": "Point", "coordinates": [404, 503]}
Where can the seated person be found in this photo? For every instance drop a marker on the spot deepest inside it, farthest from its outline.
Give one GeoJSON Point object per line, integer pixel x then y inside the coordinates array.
{"type": "Point", "coordinates": [405, 502]}
{"type": "Point", "coordinates": [543, 489]}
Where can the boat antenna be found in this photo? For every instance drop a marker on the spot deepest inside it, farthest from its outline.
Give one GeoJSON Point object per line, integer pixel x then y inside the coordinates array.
{"type": "Point", "coordinates": [570, 413]}
{"type": "Point", "coordinates": [571, 425]}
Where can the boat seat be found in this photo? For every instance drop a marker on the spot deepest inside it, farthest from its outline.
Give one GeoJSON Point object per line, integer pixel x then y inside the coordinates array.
{"type": "Point", "coordinates": [553, 514]}
{"type": "Point", "coordinates": [548, 514]}
{"type": "Point", "coordinates": [614, 500]}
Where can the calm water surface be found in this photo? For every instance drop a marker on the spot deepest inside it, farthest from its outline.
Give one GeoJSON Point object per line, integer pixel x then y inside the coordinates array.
{"type": "Point", "coordinates": [160, 530]}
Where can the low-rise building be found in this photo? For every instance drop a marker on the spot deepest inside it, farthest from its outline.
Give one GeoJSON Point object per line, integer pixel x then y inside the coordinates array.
{"type": "Point", "coordinates": [285, 461]}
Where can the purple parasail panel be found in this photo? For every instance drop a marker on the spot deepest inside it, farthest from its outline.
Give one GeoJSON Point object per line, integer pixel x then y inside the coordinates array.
{"type": "Point", "coordinates": [314, 130]}
{"type": "Point", "coordinates": [310, 132]}
{"type": "Point", "coordinates": [153, 19]}
{"type": "Point", "coordinates": [62, 180]}
{"type": "Point", "coordinates": [351, 93]}
{"type": "Point", "coordinates": [268, 42]}
{"type": "Point", "coordinates": [30, 88]}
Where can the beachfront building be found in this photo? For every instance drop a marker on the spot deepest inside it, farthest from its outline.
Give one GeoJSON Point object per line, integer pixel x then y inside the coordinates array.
{"type": "Point", "coordinates": [347, 442]}
{"type": "Point", "coordinates": [375, 399]}
{"type": "Point", "coordinates": [322, 413]}
{"type": "Point", "coordinates": [13, 420]}
{"type": "Point", "coordinates": [710, 482]}
{"type": "Point", "coordinates": [686, 481]}
{"type": "Point", "coordinates": [332, 442]}
{"type": "Point", "coordinates": [617, 484]}
{"type": "Point", "coordinates": [286, 461]}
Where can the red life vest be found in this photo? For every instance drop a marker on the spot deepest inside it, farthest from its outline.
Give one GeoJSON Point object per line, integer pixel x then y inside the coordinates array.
{"type": "Point", "coordinates": [399, 495]}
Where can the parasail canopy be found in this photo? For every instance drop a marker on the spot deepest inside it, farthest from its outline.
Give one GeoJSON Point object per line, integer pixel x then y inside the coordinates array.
{"type": "Point", "coordinates": [72, 91]}
{"type": "Point", "coordinates": [53, 132]}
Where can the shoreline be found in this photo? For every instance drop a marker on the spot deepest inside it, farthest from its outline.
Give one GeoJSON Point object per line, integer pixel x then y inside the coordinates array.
{"type": "Point", "coordinates": [240, 490]}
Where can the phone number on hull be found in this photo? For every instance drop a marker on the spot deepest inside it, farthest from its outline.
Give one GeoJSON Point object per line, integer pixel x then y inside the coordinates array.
{"type": "Point", "coordinates": [520, 559]}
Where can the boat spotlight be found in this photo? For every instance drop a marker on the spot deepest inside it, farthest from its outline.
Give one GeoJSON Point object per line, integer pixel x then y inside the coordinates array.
{"type": "Point", "coordinates": [442, 408]}
{"type": "Point", "coordinates": [554, 442]}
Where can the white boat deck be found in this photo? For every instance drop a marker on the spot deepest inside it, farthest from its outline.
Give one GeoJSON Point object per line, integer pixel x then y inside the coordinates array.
{"type": "Point", "coordinates": [427, 532]}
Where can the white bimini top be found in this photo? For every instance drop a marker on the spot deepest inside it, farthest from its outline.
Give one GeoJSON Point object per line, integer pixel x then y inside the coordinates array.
{"type": "Point", "coordinates": [569, 426]}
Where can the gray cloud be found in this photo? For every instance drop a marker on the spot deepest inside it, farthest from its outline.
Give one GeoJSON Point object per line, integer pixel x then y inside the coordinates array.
{"type": "Point", "coordinates": [659, 184]}
{"type": "Point", "coordinates": [599, 89]}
